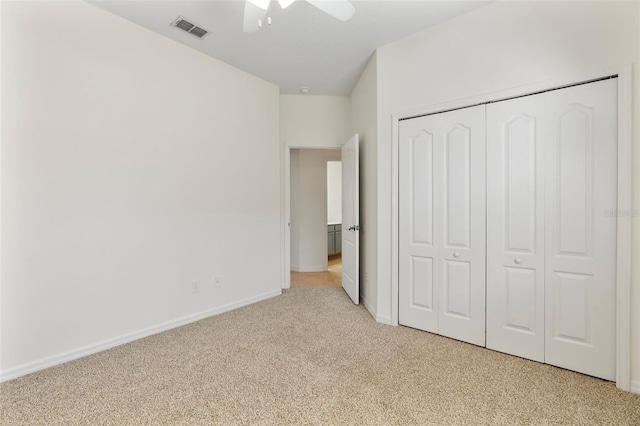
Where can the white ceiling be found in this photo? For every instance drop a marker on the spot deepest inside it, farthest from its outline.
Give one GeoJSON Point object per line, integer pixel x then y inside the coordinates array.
{"type": "Point", "coordinates": [303, 46]}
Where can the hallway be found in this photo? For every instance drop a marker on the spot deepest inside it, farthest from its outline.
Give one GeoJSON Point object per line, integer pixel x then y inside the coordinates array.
{"type": "Point", "coordinates": [330, 278]}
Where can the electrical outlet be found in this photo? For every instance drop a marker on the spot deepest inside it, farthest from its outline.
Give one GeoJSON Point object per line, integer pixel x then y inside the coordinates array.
{"type": "Point", "coordinates": [217, 282]}
{"type": "Point", "coordinates": [195, 286]}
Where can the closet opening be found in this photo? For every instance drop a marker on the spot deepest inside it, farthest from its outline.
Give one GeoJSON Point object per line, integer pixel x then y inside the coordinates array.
{"type": "Point", "coordinates": [569, 189]}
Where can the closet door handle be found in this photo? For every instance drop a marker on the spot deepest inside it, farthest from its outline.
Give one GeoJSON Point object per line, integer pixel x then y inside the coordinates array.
{"type": "Point", "coordinates": [517, 260]}
{"type": "Point", "coordinates": [456, 254]}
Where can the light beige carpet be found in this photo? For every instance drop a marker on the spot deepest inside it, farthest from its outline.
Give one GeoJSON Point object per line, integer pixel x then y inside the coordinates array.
{"type": "Point", "coordinates": [308, 357]}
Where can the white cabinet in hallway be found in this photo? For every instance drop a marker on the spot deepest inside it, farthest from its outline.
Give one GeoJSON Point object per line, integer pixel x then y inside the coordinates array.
{"type": "Point", "coordinates": [442, 224]}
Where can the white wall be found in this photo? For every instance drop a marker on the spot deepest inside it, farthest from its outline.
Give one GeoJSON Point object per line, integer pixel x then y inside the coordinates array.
{"type": "Point", "coordinates": [493, 48]}
{"type": "Point", "coordinates": [334, 191]}
{"type": "Point", "coordinates": [364, 114]}
{"type": "Point", "coordinates": [309, 249]}
{"type": "Point", "coordinates": [314, 121]}
{"type": "Point", "coordinates": [131, 165]}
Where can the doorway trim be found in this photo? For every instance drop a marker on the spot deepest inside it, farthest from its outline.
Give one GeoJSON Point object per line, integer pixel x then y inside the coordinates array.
{"type": "Point", "coordinates": [285, 224]}
{"type": "Point", "coordinates": [623, 252]}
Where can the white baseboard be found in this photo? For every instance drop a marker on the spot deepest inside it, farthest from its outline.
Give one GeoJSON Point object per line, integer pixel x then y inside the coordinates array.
{"type": "Point", "coordinates": [379, 318]}
{"type": "Point", "coordinates": [317, 269]}
{"type": "Point", "coordinates": [384, 320]}
{"type": "Point", "coordinates": [635, 386]}
{"type": "Point", "coordinates": [51, 361]}
{"type": "Point", "coordinates": [367, 305]}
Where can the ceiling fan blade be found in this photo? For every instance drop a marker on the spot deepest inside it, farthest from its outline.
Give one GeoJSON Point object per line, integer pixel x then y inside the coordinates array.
{"type": "Point", "coordinates": [341, 9]}
{"type": "Point", "coordinates": [252, 15]}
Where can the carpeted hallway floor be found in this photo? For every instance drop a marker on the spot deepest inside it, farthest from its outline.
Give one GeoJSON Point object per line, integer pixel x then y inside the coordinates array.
{"type": "Point", "coordinates": [308, 357]}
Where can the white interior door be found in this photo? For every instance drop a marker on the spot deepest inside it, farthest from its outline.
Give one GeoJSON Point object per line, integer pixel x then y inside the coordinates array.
{"type": "Point", "coordinates": [551, 260]}
{"type": "Point", "coordinates": [515, 227]}
{"type": "Point", "coordinates": [461, 204]}
{"type": "Point", "coordinates": [581, 182]}
{"type": "Point", "coordinates": [351, 219]}
{"type": "Point", "coordinates": [442, 224]}
{"type": "Point", "coordinates": [418, 224]}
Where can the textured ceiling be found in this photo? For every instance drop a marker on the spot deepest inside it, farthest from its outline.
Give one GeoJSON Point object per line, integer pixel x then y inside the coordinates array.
{"type": "Point", "coordinates": [303, 46]}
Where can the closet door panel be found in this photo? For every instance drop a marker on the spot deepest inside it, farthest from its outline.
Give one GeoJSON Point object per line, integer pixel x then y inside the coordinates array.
{"type": "Point", "coordinates": [515, 227]}
{"type": "Point", "coordinates": [442, 224]}
{"type": "Point", "coordinates": [520, 287]}
{"type": "Point", "coordinates": [581, 186]}
{"type": "Point", "coordinates": [457, 186]}
{"type": "Point", "coordinates": [418, 245]}
{"type": "Point", "coordinates": [462, 206]}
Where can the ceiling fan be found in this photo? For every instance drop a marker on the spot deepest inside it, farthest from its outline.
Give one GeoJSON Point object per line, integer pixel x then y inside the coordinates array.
{"type": "Point", "coordinates": [256, 12]}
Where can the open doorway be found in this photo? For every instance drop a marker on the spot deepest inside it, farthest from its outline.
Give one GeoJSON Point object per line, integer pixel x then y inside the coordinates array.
{"type": "Point", "coordinates": [315, 218]}
{"type": "Point", "coordinates": [334, 220]}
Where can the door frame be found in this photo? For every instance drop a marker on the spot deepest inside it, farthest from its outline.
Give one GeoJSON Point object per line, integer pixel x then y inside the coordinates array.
{"type": "Point", "coordinates": [285, 228]}
{"type": "Point", "coordinates": [623, 252]}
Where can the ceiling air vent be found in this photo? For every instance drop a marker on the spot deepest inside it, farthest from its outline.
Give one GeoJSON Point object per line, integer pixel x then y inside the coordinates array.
{"type": "Point", "coordinates": [188, 26]}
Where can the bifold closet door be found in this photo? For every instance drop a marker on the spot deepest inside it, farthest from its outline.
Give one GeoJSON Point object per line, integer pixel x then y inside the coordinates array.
{"type": "Point", "coordinates": [463, 228]}
{"type": "Point", "coordinates": [515, 227]}
{"type": "Point", "coordinates": [551, 244]}
{"type": "Point", "coordinates": [580, 247]}
{"type": "Point", "coordinates": [419, 223]}
{"type": "Point", "coordinates": [442, 224]}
